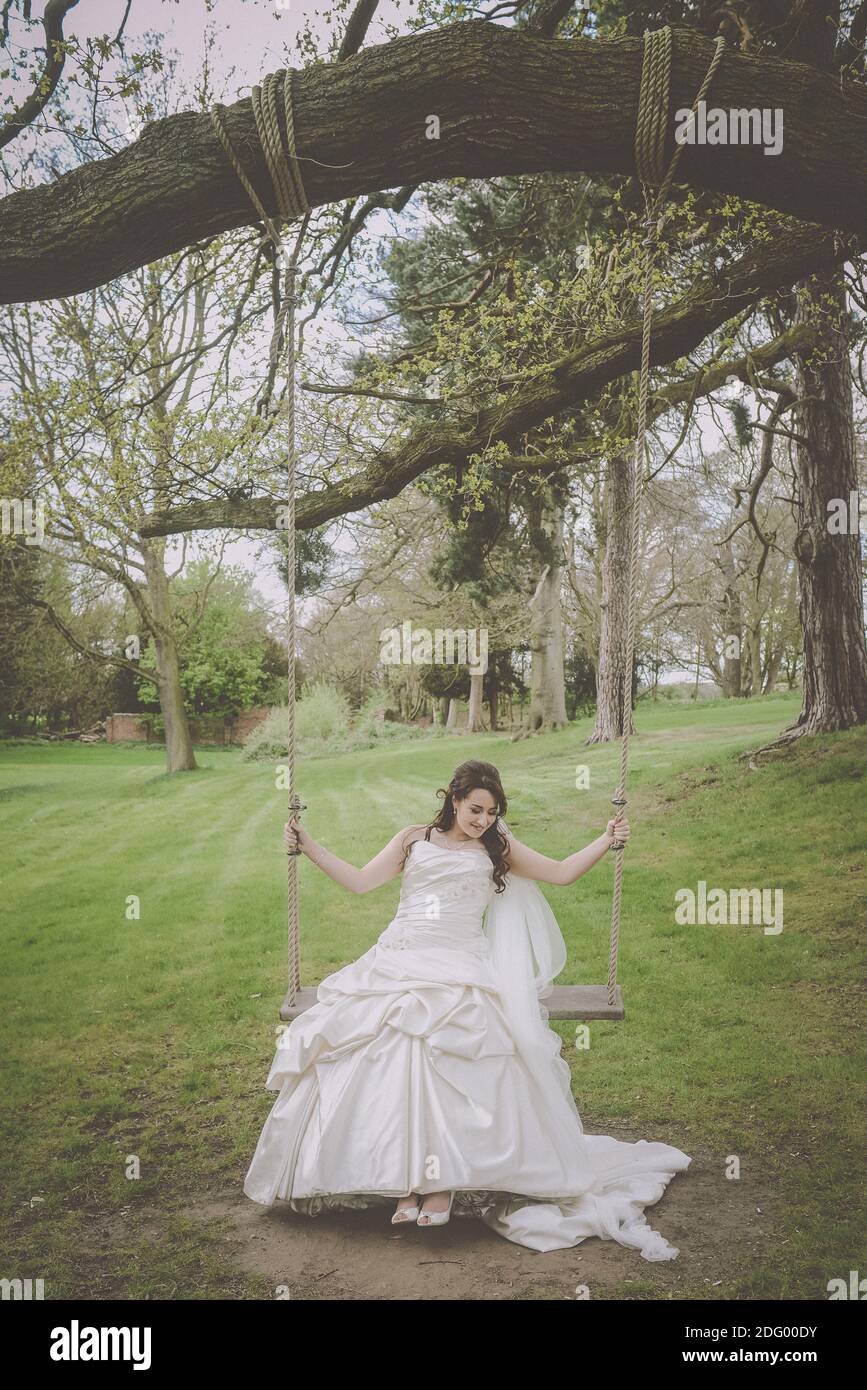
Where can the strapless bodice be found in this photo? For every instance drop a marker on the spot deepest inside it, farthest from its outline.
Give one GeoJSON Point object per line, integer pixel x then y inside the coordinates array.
{"type": "Point", "coordinates": [443, 899]}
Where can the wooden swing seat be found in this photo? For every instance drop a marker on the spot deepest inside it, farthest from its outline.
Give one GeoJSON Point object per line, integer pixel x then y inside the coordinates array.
{"type": "Point", "coordinates": [583, 1003]}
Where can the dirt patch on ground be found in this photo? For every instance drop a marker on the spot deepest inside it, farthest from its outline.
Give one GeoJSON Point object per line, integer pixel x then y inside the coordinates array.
{"type": "Point", "coordinates": [719, 1225]}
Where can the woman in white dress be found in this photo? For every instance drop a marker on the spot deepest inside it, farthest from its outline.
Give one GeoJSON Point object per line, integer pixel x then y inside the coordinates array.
{"type": "Point", "coordinates": [426, 1071]}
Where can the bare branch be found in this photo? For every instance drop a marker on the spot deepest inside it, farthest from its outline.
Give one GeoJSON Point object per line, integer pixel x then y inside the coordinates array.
{"type": "Point", "coordinates": [55, 57]}
{"type": "Point", "coordinates": [119, 35]}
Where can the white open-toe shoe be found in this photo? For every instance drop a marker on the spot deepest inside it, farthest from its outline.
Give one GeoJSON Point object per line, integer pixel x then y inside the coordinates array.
{"type": "Point", "coordinates": [437, 1218]}
{"type": "Point", "coordinates": [400, 1218]}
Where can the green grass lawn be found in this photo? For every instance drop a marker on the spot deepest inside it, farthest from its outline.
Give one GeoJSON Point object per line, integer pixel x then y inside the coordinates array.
{"type": "Point", "coordinates": [148, 1039]}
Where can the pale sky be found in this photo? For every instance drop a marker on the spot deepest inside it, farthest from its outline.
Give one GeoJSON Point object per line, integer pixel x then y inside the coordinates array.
{"type": "Point", "coordinates": [256, 36]}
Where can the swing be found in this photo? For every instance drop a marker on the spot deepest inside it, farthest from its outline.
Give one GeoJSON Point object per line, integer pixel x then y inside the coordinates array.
{"type": "Point", "coordinates": [565, 1002]}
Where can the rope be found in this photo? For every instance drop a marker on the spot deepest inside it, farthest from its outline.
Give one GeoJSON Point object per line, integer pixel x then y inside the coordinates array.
{"type": "Point", "coordinates": [282, 161]}
{"type": "Point", "coordinates": [650, 133]}
{"type": "Point", "coordinates": [294, 805]}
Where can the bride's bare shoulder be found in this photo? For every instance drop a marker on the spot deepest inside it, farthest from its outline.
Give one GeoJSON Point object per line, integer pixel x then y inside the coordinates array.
{"type": "Point", "coordinates": [409, 835]}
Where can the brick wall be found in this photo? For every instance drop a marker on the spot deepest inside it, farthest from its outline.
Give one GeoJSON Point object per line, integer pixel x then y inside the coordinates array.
{"type": "Point", "coordinates": [245, 722]}
{"type": "Point", "coordinates": [128, 726]}
{"type": "Point", "coordinates": [204, 729]}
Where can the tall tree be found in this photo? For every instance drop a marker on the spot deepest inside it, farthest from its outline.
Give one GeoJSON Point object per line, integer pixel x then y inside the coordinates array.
{"type": "Point", "coordinates": [122, 394]}
{"type": "Point", "coordinates": [832, 613]}
{"type": "Point", "coordinates": [829, 556]}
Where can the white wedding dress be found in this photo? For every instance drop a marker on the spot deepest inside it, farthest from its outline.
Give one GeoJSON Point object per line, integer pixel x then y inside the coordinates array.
{"type": "Point", "coordinates": [428, 1065]}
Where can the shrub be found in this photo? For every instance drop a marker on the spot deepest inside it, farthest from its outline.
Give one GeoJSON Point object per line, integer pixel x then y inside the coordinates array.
{"type": "Point", "coordinates": [324, 725]}
{"type": "Point", "coordinates": [322, 714]}
{"type": "Point", "coordinates": [267, 742]}
{"type": "Point", "coordinates": [321, 719]}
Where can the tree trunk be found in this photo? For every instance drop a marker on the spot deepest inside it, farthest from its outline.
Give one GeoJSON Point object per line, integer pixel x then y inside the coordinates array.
{"type": "Point", "coordinates": [547, 675]}
{"type": "Point", "coordinates": [732, 625]}
{"type": "Point", "coordinates": [772, 674]}
{"type": "Point", "coordinates": [754, 641]}
{"type": "Point", "coordinates": [474, 718]}
{"type": "Point", "coordinates": [179, 745]}
{"type": "Point", "coordinates": [745, 671]}
{"type": "Point", "coordinates": [834, 692]}
{"type": "Point", "coordinates": [657, 667]}
{"type": "Point", "coordinates": [452, 717]}
{"type": "Point", "coordinates": [611, 663]}
{"type": "Point", "coordinates": [493, 701]}
{"type": "Point", "coordinates": [835, 655]}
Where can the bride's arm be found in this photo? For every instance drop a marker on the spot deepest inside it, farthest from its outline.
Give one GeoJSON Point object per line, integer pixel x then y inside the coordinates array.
{"type": "Point", "coordinates": [529, 863]}
{"type": "Point", "coordinates": [381, 869]}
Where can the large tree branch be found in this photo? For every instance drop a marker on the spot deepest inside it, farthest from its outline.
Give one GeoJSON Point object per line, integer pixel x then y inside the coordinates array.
{"type": "Point", "coordinates": [356, 29]}
{"type": "Point", "coordinates": [547, 15]}
{"type": "Point", "coordinates": [508, 102]}
{"type": "Point", "coordinates": [55, 57]}
{"type": "Point", "coordinates": [564, 384]}
{"type": "Point", "coordinates": [747, 368]}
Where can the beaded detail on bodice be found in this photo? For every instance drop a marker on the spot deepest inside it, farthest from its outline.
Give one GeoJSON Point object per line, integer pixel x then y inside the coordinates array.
{"type": "Point", "coordinates": [443, 899]}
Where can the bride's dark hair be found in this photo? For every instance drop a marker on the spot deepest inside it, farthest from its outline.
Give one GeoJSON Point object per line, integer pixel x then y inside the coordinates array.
{"type": "Point", "coordinates": [469, 777]}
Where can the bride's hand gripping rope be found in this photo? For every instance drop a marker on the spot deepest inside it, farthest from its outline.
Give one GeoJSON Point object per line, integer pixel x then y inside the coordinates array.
{"type": "Point", "coordinates": [295, 837]}
{"type": "Point", "coordinates": [618, 831]}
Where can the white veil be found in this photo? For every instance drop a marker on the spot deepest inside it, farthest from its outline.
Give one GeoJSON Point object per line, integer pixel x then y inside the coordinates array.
{"type": "Point", "coordinates": [527, 952]}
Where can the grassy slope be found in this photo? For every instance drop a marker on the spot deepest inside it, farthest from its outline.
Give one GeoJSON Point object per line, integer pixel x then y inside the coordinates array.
{"type": "Point", "coordinates": [152, 1037]}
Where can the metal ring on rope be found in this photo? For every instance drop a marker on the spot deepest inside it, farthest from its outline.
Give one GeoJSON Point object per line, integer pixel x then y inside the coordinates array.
{"type": "Point", "coordinates": [650, 136]}
{"type": "Point", "coordinates": [282, 161]}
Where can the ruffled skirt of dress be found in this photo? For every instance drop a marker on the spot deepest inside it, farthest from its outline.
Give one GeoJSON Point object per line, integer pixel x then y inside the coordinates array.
{"type": "Point", "coordinates": [403, 1077]}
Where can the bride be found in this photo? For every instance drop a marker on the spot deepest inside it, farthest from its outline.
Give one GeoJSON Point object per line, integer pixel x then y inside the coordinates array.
{"type": "Point", "coordinates": [427, 1072]}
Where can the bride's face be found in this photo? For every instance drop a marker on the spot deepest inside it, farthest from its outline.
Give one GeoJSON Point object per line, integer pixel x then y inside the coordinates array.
{"type": "Point", "coordinates": [476, 813]}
